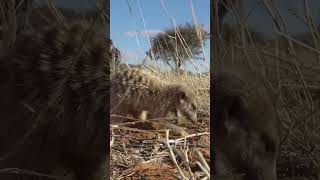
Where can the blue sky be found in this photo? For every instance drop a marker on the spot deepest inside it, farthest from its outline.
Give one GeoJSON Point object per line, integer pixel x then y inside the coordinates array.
{"type": "Point", "coordinates": [126, 23]}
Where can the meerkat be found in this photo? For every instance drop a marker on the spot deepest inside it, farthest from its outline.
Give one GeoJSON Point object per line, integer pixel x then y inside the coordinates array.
{"type": "Point", "coordinates": [134, 90]}
{"type": "Point", "coordinates": [53, 104]}
{"type": "Point", "coordinates": [247, 135]}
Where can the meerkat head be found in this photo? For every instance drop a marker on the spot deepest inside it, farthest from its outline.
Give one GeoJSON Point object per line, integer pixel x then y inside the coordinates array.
{"type": "Point", "coordinates": [247, 132]}
{"type": "Point", "coordinates": [184, 101]}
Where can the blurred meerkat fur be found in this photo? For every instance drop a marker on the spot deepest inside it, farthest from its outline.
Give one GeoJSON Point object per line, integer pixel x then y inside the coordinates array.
{"type": "Point", "coordinates": [57, 89]}
{"type": "Point", "coordinates": [247, 124]}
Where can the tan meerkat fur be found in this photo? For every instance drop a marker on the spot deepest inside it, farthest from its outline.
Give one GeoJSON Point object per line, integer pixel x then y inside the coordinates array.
{"type": "Point", "coordinates": [135, 90]}
{"type": "Point", "coordinates": [246, 124]}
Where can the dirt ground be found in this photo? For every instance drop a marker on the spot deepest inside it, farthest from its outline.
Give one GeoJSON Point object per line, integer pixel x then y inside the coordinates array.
{"type": "Point", "coordinates": [139, 151]}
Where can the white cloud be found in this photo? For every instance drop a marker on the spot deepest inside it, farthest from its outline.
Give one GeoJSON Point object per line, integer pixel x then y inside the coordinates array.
{"type": "Point", "coordinates": [145, 33]}
{"type": "Point", "coordinates": [131, 33]}
{"type": "Point", "coordinates": [152, 32]}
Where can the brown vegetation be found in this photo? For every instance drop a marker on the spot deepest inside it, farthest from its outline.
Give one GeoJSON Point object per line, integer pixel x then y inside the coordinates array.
{"type": "Point", "coordinates": [138, 147]}
{"type": "Point", "coordinates": [290, 64]}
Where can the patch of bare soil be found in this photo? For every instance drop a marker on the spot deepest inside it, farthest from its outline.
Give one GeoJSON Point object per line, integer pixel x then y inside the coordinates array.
{"type": "Point", "coordinates": [139, 151]}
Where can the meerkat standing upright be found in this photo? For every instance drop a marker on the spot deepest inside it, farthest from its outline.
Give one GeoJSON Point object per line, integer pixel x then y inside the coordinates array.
{"type": "Point", "coordinates": [134, 90]}
{"type": "Point", "coordinates": [246, 123]}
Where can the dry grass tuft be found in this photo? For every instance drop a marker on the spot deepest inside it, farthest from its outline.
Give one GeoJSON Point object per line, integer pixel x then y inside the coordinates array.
{"type": "Point", "coordinates": [292, 66]}
{"type": "Point", "coordinates": [150, 151]}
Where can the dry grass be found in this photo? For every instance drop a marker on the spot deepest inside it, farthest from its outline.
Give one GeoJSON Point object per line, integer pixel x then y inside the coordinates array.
{"type": "Point", "coordinates": [292, 67]}
{"type": "Point", "coordinates": [154, 150]}
{"type": "Point", "coordinates": [149, 150]}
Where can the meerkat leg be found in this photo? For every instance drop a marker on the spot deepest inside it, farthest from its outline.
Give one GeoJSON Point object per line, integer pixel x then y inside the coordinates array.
{"type": "Point", "coordinates": [177, 115]}
{"type": "Point", "coordinates": [140, 115]}
{"type": "Point", "coordinates": [173, 127]}
{"type": "Point", "coordinates": [143, 115]}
